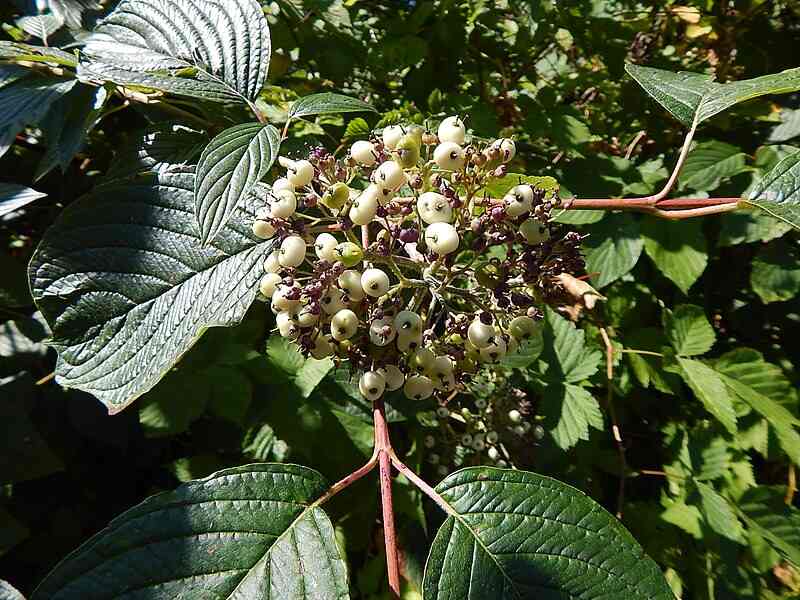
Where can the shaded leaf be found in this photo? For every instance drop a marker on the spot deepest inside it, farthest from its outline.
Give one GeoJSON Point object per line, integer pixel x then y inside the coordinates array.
{"type": "Point", "coordinates": [569, 360]}
{"type": "Point", "coordinates": [710, 390]}
{"type": "Point", "coordinates": [231, 164]}
{"type": "Point", "coordinates": [568, 412]}
{"type": "Point", "coordinates": [158, 149]}
{"type": "Point", "coordinates": [613, 248]}
{"type": "Point", "coordinates": [127, 287]}
{"type": "Point", "coordinates": [518, 535]}
{"type": "Point", "coordinates": [765, 510]}
{"type": "Point", "coordinates": [217, 51]}
{"type": "Point", "coordinates": [775, 275]}
{"type": "Point", "coordinates": [718, 514]}
{"type": "Point", "coordinates": [27, 52]}
{"type": "Point", "coordinates": [247, 532]}
{"type": "Point", "coordinates": [327, 103]}
{"type": "Point", "coordinates": [677, 249]}
{"type": "Point", "coordinates": [709, 164]}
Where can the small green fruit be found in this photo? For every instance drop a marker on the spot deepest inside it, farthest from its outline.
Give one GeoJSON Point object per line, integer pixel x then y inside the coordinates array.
{"type": "Point", "coordinates": [349, 253]}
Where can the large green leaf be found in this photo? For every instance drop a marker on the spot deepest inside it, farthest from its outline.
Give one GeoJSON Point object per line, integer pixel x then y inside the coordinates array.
{"type": "Point", "coordinates": [718, 513]}
{"type": "Point", "coordinates": [568, 357]}
{"type": "Point", "coordinates": [613, 248]}
{"type": "Point", "coordinates": [217, 51]}
{"type": "Point", "coordinates": [159, 148]}
{"type": "Point", "coordinates": [127, 286]}
{"type": "Point", "coordinates": [778, 192]}
{"type": "Point", "coordinates": [522, 536]}
{"type": "Point", "coordinates": [248, 532]}
{"type": "Point", "coordinates": [9, 592]}
{"type": "Point", "coordinates": [231, 164]}
{"type": "Point", "coordinates": [18, 51]}
{"type": "Point", "coordinates": [569, 411]}
{"type": "Point", "coordinates": [677, 249]}
{"type": "Point", "coordinates": [327, 103]}
{"type": "Point", "coordinates": [695, 97]}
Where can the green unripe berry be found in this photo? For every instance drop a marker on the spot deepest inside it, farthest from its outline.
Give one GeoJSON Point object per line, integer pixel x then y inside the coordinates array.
{"type": "Point", "coordinates": [349, 253]}
{"type": "Point", "coordinates": [407, 151]}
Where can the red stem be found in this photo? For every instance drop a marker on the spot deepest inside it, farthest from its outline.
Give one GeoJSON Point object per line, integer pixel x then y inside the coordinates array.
{"type": "Point", "coordinates": [645, 203]}
{"type": "Point", "coordinates": [383, 447]}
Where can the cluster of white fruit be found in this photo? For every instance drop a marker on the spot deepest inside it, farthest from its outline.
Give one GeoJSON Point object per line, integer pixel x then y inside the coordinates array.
{"type": "Point", "coordinates": [379, 260]}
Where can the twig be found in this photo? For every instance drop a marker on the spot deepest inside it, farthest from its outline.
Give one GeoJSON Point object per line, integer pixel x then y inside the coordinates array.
{"type": "Point", "coordinates": [350, 479]}
{"type": "Point", "coordinates": [46, 379]}
{"type": "Point", "coordinates": [791, 485]}
{"type": "Point", "coordinates": [634, 143]}
{"type": "Point", "coordinates": [615, 428]}
{"type": "Point", "coordinates": [420, 483]}
{"type": "Point", "coordinates": [644, 352]}
{"type": "Point", "coordinates": [383, 447]}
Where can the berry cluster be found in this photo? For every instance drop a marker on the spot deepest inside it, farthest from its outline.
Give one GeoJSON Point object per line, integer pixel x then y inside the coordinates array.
{"type": "Point", "coordinates": [397, 259]}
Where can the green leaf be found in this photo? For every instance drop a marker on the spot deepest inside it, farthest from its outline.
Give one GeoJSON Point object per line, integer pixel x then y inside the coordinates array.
{"type": "Point", "coordinates": [24, 455]}
{"type": "Point", "coordinates": [357, 128]}
{"type": "Point", "coordinates": [18, 51]}
{"type": "Point", "coordinates": [612, 249]}
{"type": "Point", "coordinates": [709, 388]}
{"type": "Point", "coordinates": [685, 516]}
{"type": "Point", "coordinates": [775, 275]}
{"type": "Point", "coordinates": [500, 186]}
{"type": "Point", "coordinates": [231, 164]}
{"type": "Point", "coordinates": [66, 124]}
{"type": "Point", "coordinates": [327, 103]}
{"type": "Point", "coordinates": [40, 26]}
{"type": "Point", "coordinates": [765, 510]}
{"type": "Point", "coordinates": [568, 412]}
{"type": "Point", "coordinates": [688, 330]}
{"type": "Point", "coordinates": [178, 400]}
{"type": "Point", "coordinates": [718, 514]}
{"type": "Point", "coordinates": [778, 192]}
{"type": "Point", "coordinates": [749, 367]}
{"type": "Point", "coordinates": [695, 97]}
{"type": "Point", "coordinates": [247, 532]}
{"type": "Point", "coordinates": [305, 373]}
{"type": "Point", "coordinates": [127, 287]}
{"type": "Point", "coordinates": [709, 164]}
{"type": "Point", "coordinates": [569, 359]}
{"type": "Point", "coordinates": [25, 102]}
{"type": "Point", "coordinates": [231, 393]}
{"type": "Point", "coordinates": [216, 51]}
{"type": "Point", "coordinates": [677, 249]}
{"type": "Point", "coordinates": [13, 197]}
{"type": "Point", "coordinates": [518, 535]}
{"type": "Point", "coordinates": [157, 149]}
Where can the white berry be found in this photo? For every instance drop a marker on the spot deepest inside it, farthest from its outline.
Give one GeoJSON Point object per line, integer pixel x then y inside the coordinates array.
{"type": "Point", "coordinates": [395, 378]}
{"type": "Point", "coordinates": [390, 175]}
{"type": "Point", "coordinates": [363, 152]}
{"type": "Point", "coordinates": [449, 156]}
{"type": "Point", "coordinates": [263, 229]}
{"type": "Point", "coordinates": [292, 252]}
{"type": "Point", "coordinates": [364, 207]}
{"type": "Point", "coordinates": [434, 208]}
{"type": "Point", "coordinates": [300, 173]}
{"type": "Point", "coordinates": [408, 322]}
{"type": "Point", "coordinates": [391, 135]}
{"type": "Point", "coordinates": [514, 416]}
{"type": "Point", "coordinates": [418, 387]}
{"type": "Point", "coordinates": [382, 331]}
{"type": "Point", "coordinates": [452, 129]}
{"type": "Point", "coordinates": [284, 205]}
{"type": "Point", "coordinates": [519, 200]}
{"type": "Point", "coordinates": [533, 231]}
{"type": "Point", "coordinates": [375, 282]}
{"type": "Point", "coordinates": [325, 247]}
{"type": "Point", "coordinates": [269, 284]}
{"type": "Point", "coordinates": [506, 147]}
{"type": "Point", "coordinates": [372, 384]}
{"type": "Point", "coordinates": [271, 264]}
{"type": "Point", "coordinates": [441, 238]}
{"type": "Point", "coordinates": [344, 324]}
{"type": "Point", "coordinates": [282, 184]}
{"type": "Point", "coordinates": [350, 282]}
{"type": "Point", "coordinates": [332, 301]}
{"type": "Point", "coordinates": [480, 334]}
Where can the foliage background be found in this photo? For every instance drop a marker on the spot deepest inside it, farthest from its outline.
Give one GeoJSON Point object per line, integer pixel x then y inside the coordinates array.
{"type": "Point", "coordinates": [552, 75]}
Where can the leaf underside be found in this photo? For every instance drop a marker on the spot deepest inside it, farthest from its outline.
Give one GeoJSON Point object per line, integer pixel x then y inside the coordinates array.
{"type": "Point", "coordinates": [210, 49]}
{"type": "Point", "coordinates": [518, 535]}
{"type": "Point", "coordinates": [242, 533]}
{"type": "Point", "coordinates": [127, 287]}
{"type": "Point", "coordinates": [778, 192]}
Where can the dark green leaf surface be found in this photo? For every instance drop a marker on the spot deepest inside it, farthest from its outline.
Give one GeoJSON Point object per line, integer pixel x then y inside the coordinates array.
{"type": "Point", "coordinates": [327, 103]}
{"type": "Point", "coordinates": [775, 274]}
{"type": "Point", "coordinates": [28, 52]}
{"type": "Point", "coordinates": [231, 164]}
{"type": "Point", "coordinates": [159, 148]}
{"type": "Point", "coordinates": [710, 390]}
{"type": "Point", "coordinates": [217, 51]}
{"type": "Point", "coordinates": [518, 535]}
{"type": "Point", "coordinates": [242, 533]}
{"type": "Point", "coordinates": [718, 513]}
{"type": "Point", "coordinates": [710, 163]}
{"type": "Point", "coordinates": [778, 192]}
{"type": "Point", "coordinates": [678, 249]}
{"type": "Point", "coordinates": [695, 97]}
{"type": "Point", "coordinates": [612, 249]}
{"type": "Point", "coordinates": [127, 286]}
{"type": "Point", "coordinates": [765, 509]}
